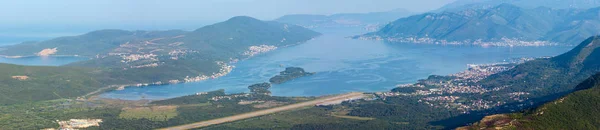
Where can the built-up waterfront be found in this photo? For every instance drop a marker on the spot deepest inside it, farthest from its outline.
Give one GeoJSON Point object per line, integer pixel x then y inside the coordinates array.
{"type": "Point", "coordinates": [503, 42]}
{"type": "Point", "coordinates": [454, 91]}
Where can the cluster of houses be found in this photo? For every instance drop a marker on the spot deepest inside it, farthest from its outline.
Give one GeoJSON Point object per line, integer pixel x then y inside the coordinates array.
{"type": "Point", "coordinates": [75, 124]}
{"type": "Point", "coordinates": [229, 97]}
{"type": "Point", "coordinates": [503, 42]}
{"type": "Point", "coordinates": [255, 50]}
{"type": "Point", "coordinates": [136, 57]}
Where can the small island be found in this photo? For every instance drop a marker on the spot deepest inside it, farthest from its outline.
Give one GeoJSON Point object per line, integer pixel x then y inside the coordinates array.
{"type": "Point", "coordinates": [288, 74]}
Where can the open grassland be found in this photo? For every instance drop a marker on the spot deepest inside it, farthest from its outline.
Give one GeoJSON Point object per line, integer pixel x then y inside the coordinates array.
{"type": "Point", "coordinates": [154, 113]}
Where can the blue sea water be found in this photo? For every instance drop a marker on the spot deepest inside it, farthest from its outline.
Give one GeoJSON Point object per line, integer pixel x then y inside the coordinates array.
{"type": "Point", "coordinates": [343, 65]}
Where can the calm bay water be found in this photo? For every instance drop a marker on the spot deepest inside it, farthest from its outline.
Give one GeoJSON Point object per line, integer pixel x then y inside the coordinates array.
{"type": "Point", "coordinates": [343, 65]}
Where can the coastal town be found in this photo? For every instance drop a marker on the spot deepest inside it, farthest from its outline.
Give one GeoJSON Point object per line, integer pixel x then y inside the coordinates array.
{"type": "Point", "coordinates": [255, 50]}
{"type": "Point", "coordinates": [503, 42]}
{"type": "Point", "coordinates": [74, 124]}
{"type": "Point", "coordinates": [448, 91]}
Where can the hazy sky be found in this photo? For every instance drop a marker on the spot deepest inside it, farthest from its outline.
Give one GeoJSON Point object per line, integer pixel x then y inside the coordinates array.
{"type": "Point", "coordinates": [179, 14]}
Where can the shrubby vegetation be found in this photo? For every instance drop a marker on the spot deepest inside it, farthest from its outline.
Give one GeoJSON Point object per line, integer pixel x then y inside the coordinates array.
{"type": "Point", "coordinates": [23, 84]}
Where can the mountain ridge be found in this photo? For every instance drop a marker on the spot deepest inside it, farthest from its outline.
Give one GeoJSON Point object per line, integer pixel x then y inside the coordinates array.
{"type": "Point", "coordinates": [502, 25]}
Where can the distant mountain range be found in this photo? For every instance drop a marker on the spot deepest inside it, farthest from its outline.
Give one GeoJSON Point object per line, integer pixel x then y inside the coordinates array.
{"type": "Point", "coordinates": [502, 25]}
{"type": "Point", "coordinates": [367, 20]}
{"type": "Point", "coordinates": [483, 4]}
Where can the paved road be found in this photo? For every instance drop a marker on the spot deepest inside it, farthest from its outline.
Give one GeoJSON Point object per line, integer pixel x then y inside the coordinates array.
{"type": "Point", "coordinates": [264, 112]}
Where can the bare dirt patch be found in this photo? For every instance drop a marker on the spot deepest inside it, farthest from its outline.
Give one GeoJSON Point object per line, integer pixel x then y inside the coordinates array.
{"type": "Point", "coordinates": [20, 77]}
{"type": "Point", "coordinates": [47, 52]}
{"type": "Point", "coordinates": [155, 113]}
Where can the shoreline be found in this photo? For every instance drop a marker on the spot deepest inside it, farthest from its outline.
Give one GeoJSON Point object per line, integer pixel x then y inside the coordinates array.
{"type": "Point", "coordinates": [110, 88]}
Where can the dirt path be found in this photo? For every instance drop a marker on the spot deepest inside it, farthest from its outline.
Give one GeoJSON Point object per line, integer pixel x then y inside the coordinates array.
{"type": "Point", "coordinates": [264, 112]}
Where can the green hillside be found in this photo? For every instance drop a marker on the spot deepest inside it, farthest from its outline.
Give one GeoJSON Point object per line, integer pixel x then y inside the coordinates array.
{"type": "Point", "coordinates": [576, 111]}
{"type": "Point", "coordinates": [22, 84]}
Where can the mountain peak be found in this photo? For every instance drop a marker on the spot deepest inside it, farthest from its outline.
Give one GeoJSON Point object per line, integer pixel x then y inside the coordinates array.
{"type": "Point", "coordinates": [242, 19]}
{"type": "Point", "coordinates": [233, 23]}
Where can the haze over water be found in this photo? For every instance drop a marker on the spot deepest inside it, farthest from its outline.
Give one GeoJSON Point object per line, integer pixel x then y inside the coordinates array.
{"type": "Point", "coordinates": [343, 65]}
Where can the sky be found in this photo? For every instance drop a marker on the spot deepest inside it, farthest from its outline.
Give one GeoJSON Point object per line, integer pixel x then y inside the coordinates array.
{"type": "Point", "coordinates": [51, 15]}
